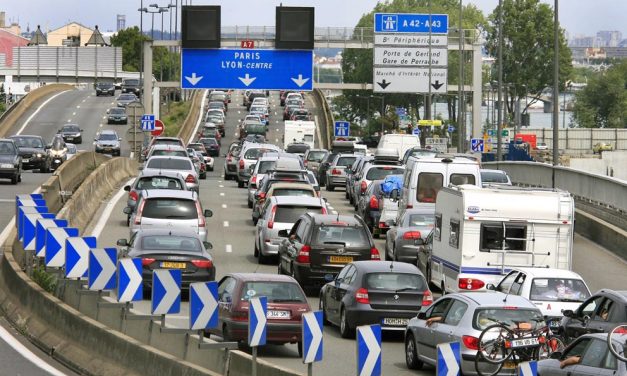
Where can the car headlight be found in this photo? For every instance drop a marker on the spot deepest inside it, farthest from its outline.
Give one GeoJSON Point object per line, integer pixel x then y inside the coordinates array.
{"type": "Point", "coordinates": [39, 155]}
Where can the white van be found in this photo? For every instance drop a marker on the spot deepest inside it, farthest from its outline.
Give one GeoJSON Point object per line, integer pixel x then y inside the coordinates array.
{"type": "Point", "coordinates": [424, 177]}
{"type": "Point", "coordinates": [480, 234]}
{"type": "Point", "coordinates": [299, 131]}
{"type": "Point", "coordinates": [400, 142]}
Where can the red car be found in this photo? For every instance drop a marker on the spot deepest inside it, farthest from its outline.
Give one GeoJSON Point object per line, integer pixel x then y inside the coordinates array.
{"type": "Point", "coordinates": [286, 304]}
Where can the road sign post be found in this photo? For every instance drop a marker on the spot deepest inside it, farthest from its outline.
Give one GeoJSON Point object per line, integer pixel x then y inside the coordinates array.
{"type": "Point", "coordinates": [312, 339]}
{"type": "Point", "coordinates": [448, 359]}
{"type": "Point", "coordinates": [528, 368]}
{"type": "Point", "coordinates": [342, 129]}
{"type": "Point", "coordinates": [257, 322]}
{"type": "Point", "coordinates": [369, 350]}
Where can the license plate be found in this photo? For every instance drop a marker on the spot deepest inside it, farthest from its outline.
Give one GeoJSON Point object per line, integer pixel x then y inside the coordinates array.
{"type": "Point", "coordinates": [70, 138]}
{"type": "Point", "coordinates": [524, 342]}
{"type": "Point", "coordinates": [340, 259]}
{"type": "Point", "coordinates": [395, 321]}
{"type": "Point", "coordinates": [57, 161]}
{"type": "Point", "coordinates": [173, 265]}
{"type": "Point", "coordinates": [6, 165]}
{"type": "Point", "coordinates": [25, 160]}
{"type": "Point", "coordinates": [278, 315]}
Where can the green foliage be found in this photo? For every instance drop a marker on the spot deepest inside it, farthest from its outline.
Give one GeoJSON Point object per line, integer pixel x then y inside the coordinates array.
{"type": "Point", "coordinates": [603, 102]}
{"type": "Point", "coordinates": [175, 117]}
{"type": "Point", "coordinates": [44, 279]}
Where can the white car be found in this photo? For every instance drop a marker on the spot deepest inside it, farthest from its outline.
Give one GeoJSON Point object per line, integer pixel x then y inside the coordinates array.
{"type": "Point", "coordinates": [542, 146]}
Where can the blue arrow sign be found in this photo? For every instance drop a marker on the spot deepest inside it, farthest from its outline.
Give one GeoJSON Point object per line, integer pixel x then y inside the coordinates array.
{"type": "Point", "coordinates": [416, 131]}
{"type": "Point", "coordinates": [528, 368]}
{"type": "Point", "coordinates": [77, 255]}
{"type": "Point", "coordinates": [55, 245]}
{"type": "Point", "coordinates": [148, 122]}
{"type": "Point", "coordinates": [257, 321]}
{"type": "Point", "coordinates": [342, 128]}
{"type": "Point", "coordinates": [28, 200]}
{"type": "Point", "coordinates": [400, 111]}
{"type": "Point", "coordinates": [166, 291]}
{"type": "Point", "coordinates": [449, 359]}
{"type": "Point", "coordinates": [21, 211]}
{"type": "Point", "coordinates": [42, 230]}
{"type": "Point", "coordinates": [130, 287]}
{"type": "Point", "coordinates": [312, 337]}
{"type": "Point", "coordinates": [369, 350]}
{"type": "Point", "coordinates": [30, 228]}
{"type": "Point", "coordinates": [451, 129]}
{"type": "Point", "coordinates": [203, 305]}
{"type": "Point", "coordinates": [101, 270]}
{"type": "Point", "coordinates": [410, 23]}
{"type": "Point", "coordinates": [246, 69]}
{"type": "Point", "coordinates": [476, 144]}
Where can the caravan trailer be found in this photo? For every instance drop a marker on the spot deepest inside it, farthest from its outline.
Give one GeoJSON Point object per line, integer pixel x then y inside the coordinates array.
{"type": "Point", "coordinates": [481, 233]}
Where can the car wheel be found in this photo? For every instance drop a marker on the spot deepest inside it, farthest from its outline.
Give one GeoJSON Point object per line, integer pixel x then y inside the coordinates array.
{"type": "Point", "coordinates": [300, 349]}
{"type": "Point", "coordinates": [428, 273]}
{"type": "Point", "coordinates": [14, 179]}
{"type": "Point", "coordinates": [256, 251]}
{"type": "Point", "coordinates": [250, 204]}
{"type": "Point", "coordinates": [203, 176]}
{"type": "Point", "coordinates": [226, 335]}
{"type": "Point", "coordinates": [280, 267]}
{"type": "Point", "coordinates": [411, 357]}
{"type": "Point", "coordinates": [262, 258]}
{"type": "Point", "coordinates": [330, 187]}
{"type": "Point", "coordinates": [346, 194]}
{"type": "Point", "coordinates": [128, 220]}
{"type": "Point", "coordinates": [321, 307]}
{"type": "Point", "coordinates": [240, 184]}
{"type": "Point", "coordinates": [345, 329]}
{"type": "Point", "coordinates": [19, 178]}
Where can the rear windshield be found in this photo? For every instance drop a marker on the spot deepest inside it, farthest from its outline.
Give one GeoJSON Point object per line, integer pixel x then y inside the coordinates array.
{"type": "Point", "coordinates": [171, 243]}
{"type": "Point", "coordinates": [315, 156]}
{"type": "Point", "coordinates": [159, 182]}
{"type": "Point", "coordinates": [351, 236]}
{"type": "Point", "coordinates": [297, 148]}
{"type": "Point", "coordinates": [459, 179]}
{"type": "Point", "coordinates": [379, 173]}
{"type": "Point", "coordinates": [108, 137]}
{"type": "Point", "coordinates": [256, 128]}
{"type": "Point", "coordinates": [421, 219]}
{"type": "Point", "coordinates": [170, 164]}
{"type": "Point", "coordinates": [170, 208]}
{"type": "Point", "coordinates": [508, 316]}
{"type": "Point", "coordinates": [173, 153]}
{"type": "Point", "coordinates": [493, 177]}
{"type": "Point", "coordinates": [265, 166]}
{"type": "Point", "coordinates": [290, 214]}
{"type": "Point", "coordinates": [292, 192]}
{"type": "Point", "coordinates": [167, 142]}
{"type": "Point", "coordinates": [429, 183]}
{"type": "Point", "coordinates": [395, 281]}
{"type": "Point", "coordinates": [558, 290]}
{"type": "Point", "coordinates": [345, 161]}
{"type": "Point", "coordinates": [255, 153]}
{"type": "Point", "coordinates": [126, 97]}
{"type": "Point", "coordinates": [275, 291]}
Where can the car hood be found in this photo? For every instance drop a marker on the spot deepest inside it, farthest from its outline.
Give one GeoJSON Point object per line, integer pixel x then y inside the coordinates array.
{"type": "Point", "coordinates": [31, 151]}
{"type": "Point", "coordinates": [7, 158]}
{"type": "Point", "coordinates": [108, 143]}
{"type": "Point", "coordinates": [117, 115]}
{"type": "Point", "coordinates": [70, 133]}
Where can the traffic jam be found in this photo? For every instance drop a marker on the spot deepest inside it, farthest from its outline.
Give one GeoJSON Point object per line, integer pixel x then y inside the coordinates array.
{"type": "Point", "coordinates": [437, 252]}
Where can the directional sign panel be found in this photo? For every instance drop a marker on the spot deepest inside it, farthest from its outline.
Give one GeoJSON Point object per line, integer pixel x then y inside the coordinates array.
{"type": "Point", "coordinates": [42, 230]}
{"type": "Point", "coordinates": [101, 272]}
{"type": "Point", "coordinates": [312, 337]}
{"type": "Point", "coordinates": [30, 228]}
{"type": "Point", "coordinates": [21, 211]}
{"type": "Point", "coordinates": [130, 280]}
{"type": "Point", "coordinates": [257, 313]}
{"type": "Point", "coordinates": [28, 200]}
{"type": "Point", "coordinates": [55, 245]}
{"type": "Point", "coordinates": [416, 131]}
{"type": "Point", "coordinates": [410, 23]}
{"type": "Point", "coordinates": [528, 368]}
{"type": "Point", "coordinates": [166, 291]}
{"type": "Point", "coordinates": [342, 128]}
{"type": "Point", "coordinates": [247, 69]}
{"type": "Point", "coordinates": [409, 80]}
{"type": "Point", "coordinates": [417, 40]}
{"type": "Point", "coordinates": [476, 145]}
{"type": "Point", "coordinates": [369, 350]}
{"type": "Point", "coordinates": [449, 359]}
{"type": "Point", "coordinates": [77, 255]}
{"type": "Point", "coordinates": [203, 305]}
{"type": "Point", "coordinates": [410, 56]}
{"type": "Point", "coordinates": [148, 122]}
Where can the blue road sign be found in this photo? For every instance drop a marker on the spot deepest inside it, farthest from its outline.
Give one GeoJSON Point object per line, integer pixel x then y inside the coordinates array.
{"type": "Point", "coordinates": [369, 350]}
{"type": "Point", "coordinates": [410, 23]}
{"type": "Point", "coordinates": [30, 228]}
{"type": "Point", "coordinates": [416, 131]}
{"type": "Point", "coordinates": [101, 270]}
{"type": "Point", "coordinates": [257, 321]}
{"type": "Point", "coordinates": [28, 200]}
{"type": "Point", "coordinates": [40, 233]}
{"type": "Point", "coordinates": [449, 358]}
{"type": "Point", "coordinates": [342, 129]}
{"type": "Point", "coordinates": [246, 69]}
{"type": "Point", "coordinates": [476, 145]}
{"type": "Point", "coordinates": [312, 337]}
{"type": "Point", "coordinates": [55, 245]}
{"type": "Point", "coordinates": [451, 129]}
{"type": "Point", "coordinates": [77, 255]}
{"type": "Point", "coordinates": [166, 291]}
{"type": "Point", "coordinates": [203, 305]}
{"type": "Point", "coordinates": [21, 211]}
{"type": "Point", "coordinates": [148, 122]}
{"type": "Point", "coordinates": [400, 111]}
{"type": "Point", "coordinates": [130, 280]}
{"type": "Point", "coordinates": [528, 368]}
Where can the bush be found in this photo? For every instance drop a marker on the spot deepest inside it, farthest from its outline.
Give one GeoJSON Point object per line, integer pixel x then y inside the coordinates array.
{"type": "Point", "coordinates": [44, 279]}
{"type": "Point", "coordinates": [174, 119]}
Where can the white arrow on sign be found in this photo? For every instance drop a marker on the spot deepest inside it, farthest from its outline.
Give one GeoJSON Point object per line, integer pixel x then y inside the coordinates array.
{"type": "Point", "coordinates": [208, 309]}
{"type": "Point", "coordinates": [193, 79]}
{"type": "Point", "coordinates": [261, 320]}
{"type": "Point", "coordinates": [450, 360]}
{"type": "Point", "coordinates": [172, 292]}
{"type": "Point", "coordinates": [316, 336]}
{"type": "Point", "coordinates": [300, 81]}
{"type": "Point", "coordinates": [108, 269]}
{"type": "Point", "coordinates": [134, 279]}
{"type": "Point", "coordinates": [247, 80]}
{"type": "Point", "coordinates": [373, 351]}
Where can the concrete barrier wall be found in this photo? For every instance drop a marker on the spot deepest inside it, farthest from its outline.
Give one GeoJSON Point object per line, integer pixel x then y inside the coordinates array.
{"type": "Point", "coordinates": [327, 125]}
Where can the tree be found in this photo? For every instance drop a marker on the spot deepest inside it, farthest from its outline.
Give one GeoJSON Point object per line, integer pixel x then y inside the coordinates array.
{"type": "Point", "coordinates": [528, 43]}
{"type": "Point", "coordinates": [603, 102]}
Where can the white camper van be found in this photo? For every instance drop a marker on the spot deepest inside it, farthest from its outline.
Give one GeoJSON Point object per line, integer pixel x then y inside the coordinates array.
{"type": "Point", "coordinates": [481, 233]}
{"type": "Point", "coordinates": [300, 131]}
{"type": "Point", "coordinates": [400, 142]}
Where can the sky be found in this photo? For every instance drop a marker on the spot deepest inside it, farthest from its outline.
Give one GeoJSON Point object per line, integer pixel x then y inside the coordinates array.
{"type": "Point", "coordinates": [584, 17]}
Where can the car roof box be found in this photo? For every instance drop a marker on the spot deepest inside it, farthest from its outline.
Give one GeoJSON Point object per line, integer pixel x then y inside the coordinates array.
{"type": "Point", "coordinates": [343, 146]}
{"type": "Point", "coordinates": [386, 154]}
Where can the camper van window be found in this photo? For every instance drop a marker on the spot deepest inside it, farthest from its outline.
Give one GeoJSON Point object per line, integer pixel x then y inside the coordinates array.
{"type": "Point", "coordinates": [438, 227]}
{"type": "Point", "coordinates": [429, 184]}
{"type": "Point", "coordinates": [453, 239]}
{"type": "Point", "coordinates": [406, 178]}
{"type": "Point", "coordinates": [492, 237]}
{"type": "Point", "coordinates": [459, 179]}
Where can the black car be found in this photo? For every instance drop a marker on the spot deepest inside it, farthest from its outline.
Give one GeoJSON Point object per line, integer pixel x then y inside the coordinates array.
{"type": "Point", "coordinates": [211, 145]}
{"type": "Point", "coordinates": [600, 313]}
{"type": "Point", "coordinates": [34, 152]}
{"type": "Point", "coordinates": [321, 244]}
{"type": "Point", "coordinates": [10, 161]}
{"type": "Point", "coordinates": [105, 88]}
{"type": "Point", "coordinates": [117, 115]}
{"type": "Point", "coordinates": [374, 292]}
{"type": "Point", "coordinates": [71, 133]}
{"type": "Point", "coordinates": [170, 249]}
{"type": "Point", "coordinates": [369, 205]}
{"type": "Point", "coordinates": [131, 85]}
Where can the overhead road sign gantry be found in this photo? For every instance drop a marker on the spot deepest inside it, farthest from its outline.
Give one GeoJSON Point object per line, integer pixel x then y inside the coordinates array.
{"type": "Point", "coordinates": [410, 23]}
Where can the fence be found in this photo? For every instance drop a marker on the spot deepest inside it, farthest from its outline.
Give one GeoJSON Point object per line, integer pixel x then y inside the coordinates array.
{"type": "Point", "coordinates": [582, 139]}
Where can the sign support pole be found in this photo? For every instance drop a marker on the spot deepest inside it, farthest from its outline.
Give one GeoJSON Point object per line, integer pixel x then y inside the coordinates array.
{"type": "Point", "coordinates": [254, 360]}
{"type": "Point", "coordinates": [309, 369]}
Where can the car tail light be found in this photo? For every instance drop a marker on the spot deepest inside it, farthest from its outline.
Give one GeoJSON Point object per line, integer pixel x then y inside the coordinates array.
{"type": "Point", "coordinates": [262, 195]}
{"type": "Point", "coordinates": [324, 210]}
{"type": "Point", "coordinates": [202, 264]}
{"type": "Point", "coordinates": [412, 235]}
{"type": "Point", "coordinates": [190, 179]}
{"type": "Point", "coordinates": [147, 261]}
{"type": "Point", "coordinates": [241, 164]}
{"type": "Point", "coordinates": [303, 255]}
{"type": "Point", "coordinates": [202, 167]}
{"type": "Point", "coordinates": [239, 316]}
{"type": "Point", "coordinates": [253, 180]}
{"type": "Point", "coordinates": [374, 202]}
{"type": "Point", "coordinates": [138, 216]}
{"type": "Point", "coordinates": [382, 225]}
{"type": "Point", "coordinates": [621, 330]}
{"type": "Point", "coordinates": [427, 298]}
{"type": "Point", "coordinates": [229, 158]}
{"type": "Point", "coordinates": [374, 254]}
{"type": "Point", "coordinates": [470, 284]}
{"type": "Point", "coordinates": [363, 186]}
{"type": "Point", "coordinates": [361, 296]}
{"type": "Point", "coordinates": [271, 221]}
{"type": "Point", "coordinates": [305, 162]}
{"type": "Point", "coordinates": [410, 206]}
{"type": "Point", "coordinates": [201, 217]}
{"type": "Point", "coordinates": [471, 343]}
{"type": "Point", "coordinates": [335, 171]}
{"type": "Point", "coordinates": [133, 195]}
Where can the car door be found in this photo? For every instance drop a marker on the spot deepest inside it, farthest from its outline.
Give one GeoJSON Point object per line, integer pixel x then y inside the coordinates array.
{"type": "Point", "coordinates": [605, 317]}
{"type": "Point", "coordinates": [226, 288]}
{"type": "Point", "coordinates": [331, 302]}
{"type": "Point", "coordinates": [551, 367]}
{"type": "Point", "coordinates": [578, 325]}
{"type": "Point", "coordinates": [427, 341]}
{"type": "Point", "coordinates": [294, 243]}
{"type": "Point", "coordinates": [450, 329]}
{"type": "Point", "coordinates": [596, 360]}
{"type": "Point", "coordinates": [286, 250]}
{"type": "Point", "coordinates": [507, 282]}
{"type": "Point", "coordinates": [263, 217]}
{"type": "Point", "coordinates": [344, 288]}
{"type": "Point", "coordinates": [424, 255]}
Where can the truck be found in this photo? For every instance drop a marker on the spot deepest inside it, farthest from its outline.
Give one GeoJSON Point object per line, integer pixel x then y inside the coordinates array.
{"type": "Point", "coordinates": [299, 131]}
{"type": "Point", "coordinates": [481, 233]}
{"type": "Point", "coordinates": [528, 138]}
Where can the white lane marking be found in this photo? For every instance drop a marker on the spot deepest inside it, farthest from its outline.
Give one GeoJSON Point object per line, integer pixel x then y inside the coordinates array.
{"type": "Point", "coordinates": [221, 186]}
{"type": "Point", "coordinates": [132, 155]}
{"type": "Point", "coordinates": [274, 113]}
{"type": "Point", "coordinates": [69, 120]}
{"type": "Point", "coordinates": [239, 112]}
{"type": "Point", "coordinates": [104, 117]}
{"type": "Point", "coordinates": [27, 354]}
{"type": "Point", "coordinates": [100, 125]}
{"type": "Point", "coordinates": [73, 113]}
{"type": "Point", "coordinates": [106, 213]}
{"type": "Point", "coordinates": [200, 116]}
{"type": "Point", "coordinates": [225, 224]}
{"type": "Point", "coordinates": [112, 103]}
{"type": "Point", "coordinates": [276, 140]}
{"type": "Point", "coordinates": [221, 193]}
{"type": "Point", "coordinates": [229, 248]}
{"type": "Point", "coordinates": [224, 206]}
{"type": "Point", "coordinates": [7, 200]}
{"type": "Point", "coordinates": [277, 129]}
{"type": "Point", "coordinates": [330, 207]}
{"type": "Point", "coordinates": [78, 106]}
{"type": "Point", "coordinates": [84, 100]}
{"type": "Point", "coordinates": [333, 212]}
{"type": "Point", "coordinates": [277, 121]}
{"type": "Point", "coordinates": [37, 111]}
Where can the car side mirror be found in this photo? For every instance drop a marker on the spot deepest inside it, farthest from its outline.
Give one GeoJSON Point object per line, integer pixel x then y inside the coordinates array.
{"type": "Point", "coordinates": [49, 146]}
{"type": "Point", "coordinates": [207, 245]}
{"type": "Point", "coordinates": [208, 213]}
{"type": "Point", "coordinates": [107, 111]}
{"type": "Point", "coordinates": [127, 210]}
{"type": "Point", "coordinates": [329, 277]}
{"type": "Point", "coordinates": [119, 138]}
{"type": "Point", "coordinates": [139, 168]}
{"type": "Point", "coordinates": [556, 355]}
{"type": "Point", "coordinates": [490, 286]}
{"type": "Point", "coordinates": [338, 281]}
{"type": "Point", "coordinates": [122, 242]}
{"type": "Point", "coordinates": [127, 188]}
{"type": "Point", "coordinates": [95, 139]}
{"type": "Point", "coordinates": [283, 233]}
{"type": "Point", "coordinates": [422, 315]}
{"type": "Point", "coordinates": [59, 131]}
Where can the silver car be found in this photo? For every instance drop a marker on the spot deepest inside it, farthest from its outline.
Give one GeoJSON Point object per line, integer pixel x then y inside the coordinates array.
{"type": "Point", "coordinates": [411, 230]}
{"type": "Point", "coordinates": [278, 161]}
{"type": "Point", "coordinates": [181, 164]}
{"type": "Point", "coordinates": [167, 150]}
{"type": "Point", "coordinates": [336, 174]}
{"type": "Point", "coordinates": [280, 213]}
{"type": "Point", "coordinates": [248, 157]}
{"type": "Point", "coordinates": [461, 317]}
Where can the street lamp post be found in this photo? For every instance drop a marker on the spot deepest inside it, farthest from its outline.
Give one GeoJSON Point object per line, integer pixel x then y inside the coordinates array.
{"type": "Point", "coordinates": [556, 78]}
{"type": "Point", "coordinates": [499, 147]}
{"type": "Point", "coordinates": [163, 10]}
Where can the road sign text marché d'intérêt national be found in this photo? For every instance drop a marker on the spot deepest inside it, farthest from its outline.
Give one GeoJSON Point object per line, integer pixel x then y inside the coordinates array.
{"type": "Point", "coordinates": [245, 60]}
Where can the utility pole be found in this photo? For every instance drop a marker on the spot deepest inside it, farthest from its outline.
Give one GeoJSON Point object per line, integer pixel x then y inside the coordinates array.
{"type": "Point", "coordinates": [499, 129]}
{"type": "Point", "coordinates": [428, 101]}
{"type": "Point", "coordinates": [556, 79]}
{"type": "Point", "coordinates": [460, 88]}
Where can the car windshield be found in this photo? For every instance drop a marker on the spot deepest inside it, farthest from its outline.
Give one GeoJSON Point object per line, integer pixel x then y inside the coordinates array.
{"type": "Point", "coordinates": [170, 208]}
{"type": "Point", "coordinates": [159, 182]}
{"type": "Point", "coordinates": [342, 232]}
{"type": "Point", "coordinates": [170, 164]}
{"type": "Point", "coordinates": [421, 219]}
{"type": "Point", "coordinates": [131, 82]}
{"type": "Point", "coordinates": [70, 128]}
{"type": "Point", "coordinates": [558, 289]}
{"type": "Point", "coordinates": [345, 161]}
{"type": "Point", "coordinates": [28, 142]}
{"type": "Point", "coordinates": [104, 84]}
{"type": "Point", "coordinates": [255, 153]}
{"type": "Point", "coordinates": [379, 173]}
{"type": "Point", "coordinates": [171, 243]}
{"type": "Point", "coordinates": [395, 281]}
{"type": "Point", "coordinates": [274, 291]}
{"type": "Point", "coordinates": [292, 192]}
{"type": "Point", "coordinates": [509, 316]}
{"type": "Point", "coordinates": [126, 97]}
{"type": "Point", "coordinates": [493, 177]}
{"type": "Point", "coordinates": [174, 153]}
{"type": "Point", "coordinates": [315, 156]}
{"type": "Point", "coordinates": [57, 143]}
{"type": "Point", "coordinates": [108, 137]}
{"type": "Point", "coordinates": [291, 213]}
{"type": "Point", "coordinates": [117, 111]}
{"type": "Point", "coordinates": [7, 148]}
